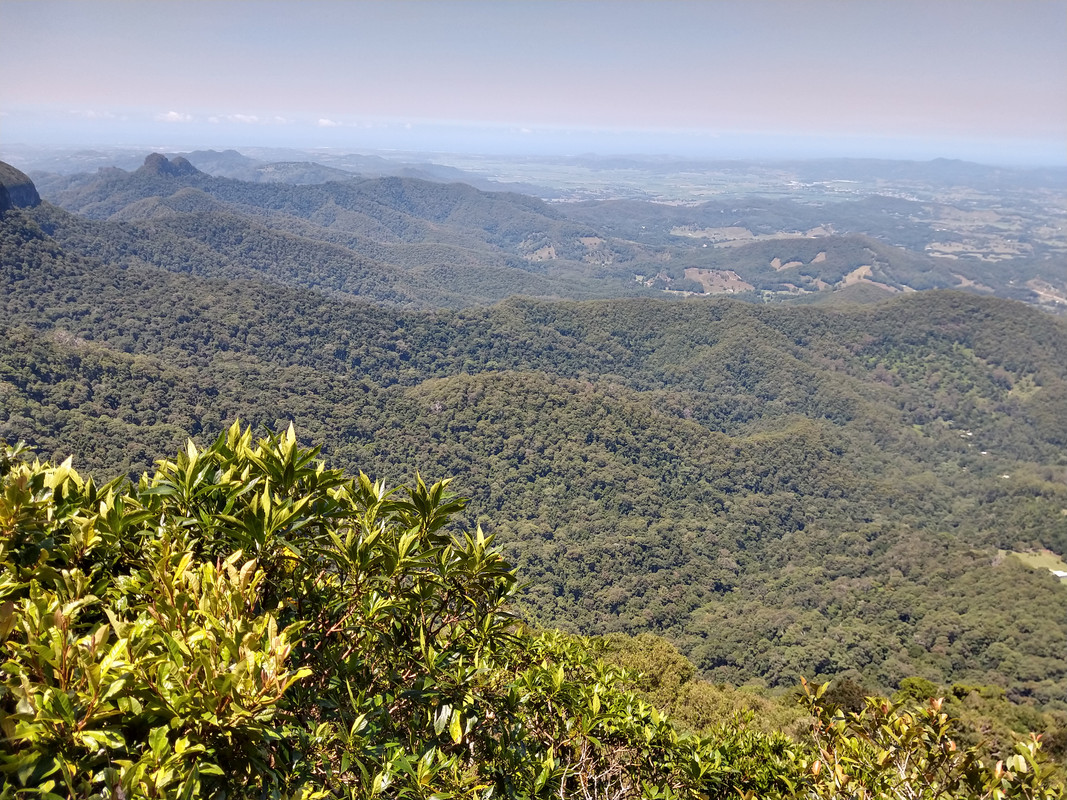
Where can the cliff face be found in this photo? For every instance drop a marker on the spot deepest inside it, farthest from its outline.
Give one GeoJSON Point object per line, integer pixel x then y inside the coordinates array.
{"type": "Point", "coordinates": [16, 189]}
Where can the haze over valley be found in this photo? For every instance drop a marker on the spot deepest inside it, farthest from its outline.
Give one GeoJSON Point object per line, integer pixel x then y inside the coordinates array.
{"type": "Point", "coordinates": [733, 434]}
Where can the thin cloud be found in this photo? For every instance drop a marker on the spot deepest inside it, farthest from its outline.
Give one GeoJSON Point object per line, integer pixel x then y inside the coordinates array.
{"type": "Point", "coordinates": [328, 123]}
{"type": "Point", "coordinates": [89, 113]}
{"type": "Point", "coordinates": [247, 119]}
{"type": "Point", "coordinates": [174, 116]}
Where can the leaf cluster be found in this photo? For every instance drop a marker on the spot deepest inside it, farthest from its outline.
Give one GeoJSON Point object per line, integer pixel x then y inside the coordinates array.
{"type": "Point", "coordinates": [244, 620]}
{"type": "Point", "coordinates": [909, 751]}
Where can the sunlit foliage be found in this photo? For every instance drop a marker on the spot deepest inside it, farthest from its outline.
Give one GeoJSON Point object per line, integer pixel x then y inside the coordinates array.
{"type": "Point", "coordinates": [245, 622]}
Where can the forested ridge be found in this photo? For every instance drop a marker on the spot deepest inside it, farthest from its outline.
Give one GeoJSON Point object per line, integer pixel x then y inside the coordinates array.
{"type": "Point", "coordinates": [780, 491]}
{"type": "Point", "coordinates": [654, 463]}
{"type": "Point", "coordinates": [396, 240]}
{"type": "Point", "coordinates": [424, 243]}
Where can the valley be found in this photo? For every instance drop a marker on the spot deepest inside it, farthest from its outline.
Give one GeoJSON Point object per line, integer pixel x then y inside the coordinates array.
{"type": "Point", "coordinates": [949, 224]}
{"type": "Point", "coordinates": [468, 400]}
{"type": "Point", "coordinates": [778, 434]}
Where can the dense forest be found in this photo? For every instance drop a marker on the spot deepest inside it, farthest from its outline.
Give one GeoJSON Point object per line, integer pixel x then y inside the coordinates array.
{"type": "Point", "coordinates": [246, 622]}
{"type": "Point", "coordinates": [840, 493]}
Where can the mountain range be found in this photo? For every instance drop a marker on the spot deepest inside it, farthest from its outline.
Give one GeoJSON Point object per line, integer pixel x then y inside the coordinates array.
{"type": "Point", "coordinates": [431, 243]}
{"type": "Point", "coordinates": [780, 490]}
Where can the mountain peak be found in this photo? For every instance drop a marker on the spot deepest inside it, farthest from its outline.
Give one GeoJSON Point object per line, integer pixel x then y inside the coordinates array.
{"type": "Point", "coordinates": [159, 164]}
{"type": "Point", "coordinates": [16, 189]}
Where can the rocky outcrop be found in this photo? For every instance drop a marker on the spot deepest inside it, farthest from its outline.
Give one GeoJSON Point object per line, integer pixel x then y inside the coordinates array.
{"type": "Point", "coordinates": [159, 164]}
{"type": "Point", "coordinates": [16, 189]}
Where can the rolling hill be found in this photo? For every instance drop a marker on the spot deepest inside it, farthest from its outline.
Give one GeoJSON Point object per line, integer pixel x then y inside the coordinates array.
{"type": "Point", "coordinates": [432, 243]}
{"type": "Point", "coordinates": [780, 490]}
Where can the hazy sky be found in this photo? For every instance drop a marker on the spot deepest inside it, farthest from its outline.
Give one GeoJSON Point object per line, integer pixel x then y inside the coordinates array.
{"type": "Point", "coordinates": [983, 79]}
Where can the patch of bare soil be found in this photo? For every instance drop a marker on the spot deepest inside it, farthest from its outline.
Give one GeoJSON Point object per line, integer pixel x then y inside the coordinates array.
{"type": "Point", "coordinates": [968, 283]}
{"type": "Point", "coordinates": [727, 234]}
{"type": "Point", "coordinates": [778, 266]}
{"type": "Point", "coordinates": [1047, 292]}
{"type": "Point", "coordinates": [863, 275]}
{"type": "Point", "coordinates": [546, 253]}
{"type": "Point", "coordinates": [718, 281]}
{"type": "Point", "coordinates": [981, 247]}
{"type": "Point", "coordinates": [858, 274]}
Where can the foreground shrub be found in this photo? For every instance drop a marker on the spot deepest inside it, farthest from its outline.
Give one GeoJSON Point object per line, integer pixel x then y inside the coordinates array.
{"type": "Point", "coordinates": [245, 622]}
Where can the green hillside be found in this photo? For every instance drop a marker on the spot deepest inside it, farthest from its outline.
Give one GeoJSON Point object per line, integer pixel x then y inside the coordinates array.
{"type": "Point", "coordinates": [398, 240]}
{"type": "Point", "coordinates": [425, 243]}
{"type": "Point", "coordinates": [781, 491]}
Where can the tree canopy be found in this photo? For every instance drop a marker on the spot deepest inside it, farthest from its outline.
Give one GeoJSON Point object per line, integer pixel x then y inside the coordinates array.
{"type": "Point", "coordinates": [244, 621]}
